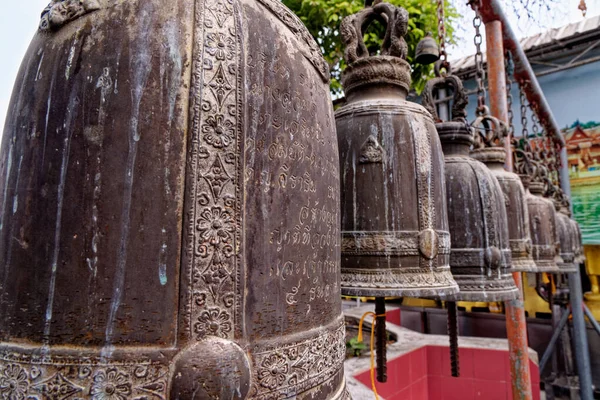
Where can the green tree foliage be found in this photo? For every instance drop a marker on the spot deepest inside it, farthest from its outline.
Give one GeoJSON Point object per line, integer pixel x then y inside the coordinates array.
{"type": "Point", "coordinates": [323, 19]}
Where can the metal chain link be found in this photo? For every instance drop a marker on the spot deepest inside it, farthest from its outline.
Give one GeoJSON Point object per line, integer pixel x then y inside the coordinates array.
{"type": "Point", "coordinates": [523, 102]}
{"type": "Point", "coordinates": [510, 69]}
{"type": "Point", "coordinates": [441, 19]}
{"type": "Point", "coordinates": [480, 73]}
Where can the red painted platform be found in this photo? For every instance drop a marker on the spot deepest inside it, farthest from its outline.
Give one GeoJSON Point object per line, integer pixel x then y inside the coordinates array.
{"type": "Point", "coordinates": [424, 374]}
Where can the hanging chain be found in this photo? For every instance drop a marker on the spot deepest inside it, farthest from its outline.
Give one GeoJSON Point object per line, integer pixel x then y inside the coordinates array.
{"type": "Point", "coordinates": [523, 102]}
{"type": "Point", "coordinates": [441, 20]}
{"type": "Point", "coordinates": [510, 70]}
{"type": "Point", "coordinates": [480, 73]}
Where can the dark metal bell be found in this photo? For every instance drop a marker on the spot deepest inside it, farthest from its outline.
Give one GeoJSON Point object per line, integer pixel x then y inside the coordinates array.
{"type": "Point", "coordinates": [427, 51]}
{"type": "Point", "coordinates": [542, 223]}
{"type": "Point", "coordinates": [577, 240]}
{"type": "Point", "coordinates": [169, 225]}
{"type": "Point", "coordinates": [480, 257]}
{"type": "Point", "coordinates": [566, 236]}
{"type": "Point", "coordinates": [516, 207]}
{"type": "Point", "coordinates": [394, 221]}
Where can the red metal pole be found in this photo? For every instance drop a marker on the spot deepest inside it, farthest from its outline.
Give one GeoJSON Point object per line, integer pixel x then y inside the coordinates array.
{"type": "Point", "coordinates": [516, 326]}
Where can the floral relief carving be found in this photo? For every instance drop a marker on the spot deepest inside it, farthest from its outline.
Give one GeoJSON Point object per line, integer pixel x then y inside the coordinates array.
{"type": "Point", "coordinates": [273, 372]}
{"type": "Point", "coordinates": [214, 220]}
{"type": "Point", "coordinates": [213, 322]}
{"type": "Point", "coordinates": [290, 368]}
{"type": "Point", "coordinates": [215, 226]}
{"type": "Point", "coordinates": [218, 131]}
{"type": "Point", "coordinates": [57, 387]}
{"type": "Point", "coordinates": [63, 377]}
{"type": "Point", "coordinates": [220, 46]}
{"type": "Point", "coordinates": [14, 382]}
{"type": "Point", "coordinates": [110, 385]}
{"type": "Point", "coordinates": [61, 12]}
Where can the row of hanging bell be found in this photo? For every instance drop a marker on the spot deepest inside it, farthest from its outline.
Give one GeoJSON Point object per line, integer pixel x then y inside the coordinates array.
{"type": "Point", "coordinates": [480, 256]}
{"type": "Point", "coordinates": [542, 214]}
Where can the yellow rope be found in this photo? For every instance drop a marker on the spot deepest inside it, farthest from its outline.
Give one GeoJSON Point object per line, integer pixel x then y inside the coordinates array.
{"type": "Point", "coordinates": [360, 339]}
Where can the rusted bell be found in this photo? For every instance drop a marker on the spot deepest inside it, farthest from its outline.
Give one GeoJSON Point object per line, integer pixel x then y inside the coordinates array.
{"type": "Point", "coordinates": [480, 257]}
{"type": "Point", "coordinates": [427, 51]}
{"type": "Point", "coordinates": [394, 221]}
{"type": "Point", "coordinates": [565, 236]}
{"type": "Point", "coordinates": [169, 223]}
{"type": "Point", "coordinates": [516, 207]}
{"type": "Point", "coordinates": [542, 223]}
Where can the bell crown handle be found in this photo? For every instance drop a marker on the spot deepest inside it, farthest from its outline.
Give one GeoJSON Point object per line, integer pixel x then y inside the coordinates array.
{"type": "Point", "coordinates": [459, 113]}
{"type": "Point", "coordinates": [354, 26]}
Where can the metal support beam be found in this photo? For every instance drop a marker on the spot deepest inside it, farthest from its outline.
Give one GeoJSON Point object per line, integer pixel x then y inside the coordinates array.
{"type": "Point", "coordinates": [497, 79]}
{"type": "Point", "coordinates": [591, 318]}
{"type": "Point", "coordinates": [555, 335]}
{"type": "Point", "coordinates": [516, 327]}
{"type": "Point", "coordinates": [582, 354]}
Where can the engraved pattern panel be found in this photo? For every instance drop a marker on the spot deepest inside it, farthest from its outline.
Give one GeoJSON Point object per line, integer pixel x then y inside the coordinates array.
{"type": "Point", "coordinates": [214, 213]}
{"type": "Point", "coordinates": [283, 371]}
{"type": "Point", "coordinates": [404, 243]}
{"type": "Point", "coordinates": [63, 377]}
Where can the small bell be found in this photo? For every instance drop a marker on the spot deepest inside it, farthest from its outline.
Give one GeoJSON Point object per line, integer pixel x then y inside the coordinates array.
{"type": "Point", "coordinates": [395, 239]}
{"type": "Point", "coordinates": [579, 253]}
{"type": "Point", "coordinates": [565, 235]}
{"type": "Point", "coordinates": [427, 51]}
{"type": "Point", "coordinates": [542, 223]}
{"type": "Point", "coordinates": [480, 257]}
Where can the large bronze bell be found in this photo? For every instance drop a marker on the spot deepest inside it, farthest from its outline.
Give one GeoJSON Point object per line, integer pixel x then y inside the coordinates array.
{"type": "Point", "coordinates": [170, 215]}
{"type": "Point", "coordinates": [494, 157]}
{"type": "Point", "coordinates": [480, 257]}
{"type": "Point", "coordinates": [542, 223]}
{"type": "Point", "coordinates": [395, 239]}
{"type": "Point", "coordinates": [427, 51]}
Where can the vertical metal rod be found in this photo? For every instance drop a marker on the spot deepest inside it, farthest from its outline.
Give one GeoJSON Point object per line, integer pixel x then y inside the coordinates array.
{"type": "Point", "coordinates": [381, 339]}
{"type": "Point", "coordinates": [582, 354]}
{"type": "Point", "coordinates": [592, 319]}
{"type": "Point", "coordinates": [516, 327]}
{"type": "Point", "coordinates": [555, 335]}
{"type": "Point", "coordinates": [453, 335]}
{"type": "Point", "coordinates": [496, 76]}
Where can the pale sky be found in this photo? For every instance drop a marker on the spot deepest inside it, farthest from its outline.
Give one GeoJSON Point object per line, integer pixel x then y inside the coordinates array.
{"type": "Point", "coordinates": [19, 21]}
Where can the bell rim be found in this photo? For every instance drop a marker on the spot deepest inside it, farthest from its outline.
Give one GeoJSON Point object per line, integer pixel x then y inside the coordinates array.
{"type": "Point", "coordinates": [568, 267]}
{"type": "Point", "coordinates": [523, 264]}
{"type": "Point", "coordinates": [418, 292]}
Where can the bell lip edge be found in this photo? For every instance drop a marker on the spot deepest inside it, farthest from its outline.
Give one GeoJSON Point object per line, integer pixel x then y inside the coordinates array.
{"type": "Point", "coordinates": [492, 296]}
{"type": "Point", "coordinates": [523, 265]}
{"type": "Point", "coordinates": [428, 293]}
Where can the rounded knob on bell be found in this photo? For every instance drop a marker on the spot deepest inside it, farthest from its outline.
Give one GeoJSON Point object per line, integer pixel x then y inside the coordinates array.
{"type": "Point", "coordinates": [427, 51]}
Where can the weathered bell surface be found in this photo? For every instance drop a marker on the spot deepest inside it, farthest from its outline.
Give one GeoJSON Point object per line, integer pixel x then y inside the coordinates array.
{"type": "Point", "coordinates": [577, 240]}
{"type": "Point", "coordinates": [480, 258]}
{"type": "Point", "coordinates": [169, 223]}
{"type": "Point", "coordinates": [542, 223]}
{"type": "Point", "coordinates": [516, 207]}
{"type": "Point", "coordinates": [565, 236]}
{"type": "Point", "coordinates": [427, 51]}
{"type": "Point", "coordinates": [395, 239]}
